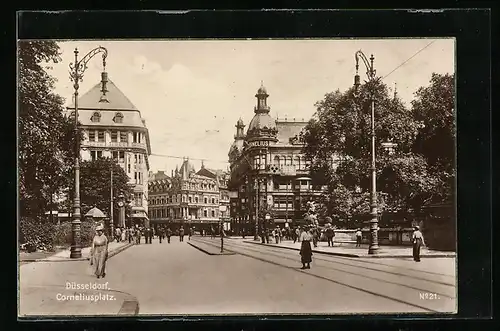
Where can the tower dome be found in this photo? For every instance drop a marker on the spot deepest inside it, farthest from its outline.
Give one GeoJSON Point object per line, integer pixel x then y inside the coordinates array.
{"type": "Point", "coordinates": [262, 124]}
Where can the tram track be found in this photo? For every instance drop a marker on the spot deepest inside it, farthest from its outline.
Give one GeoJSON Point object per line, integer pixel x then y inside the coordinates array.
{"type": "Point", "coordinates": [345, 277]}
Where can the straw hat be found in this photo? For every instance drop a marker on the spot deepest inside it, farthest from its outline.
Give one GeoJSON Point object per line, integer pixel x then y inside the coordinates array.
{"type": "Point", "coordinates": [99, 227]}
{"type": "Point", "coordinates": [416, 227]}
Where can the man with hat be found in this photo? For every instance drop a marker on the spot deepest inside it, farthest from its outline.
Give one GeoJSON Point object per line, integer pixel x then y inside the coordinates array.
{"type": "Point", "coordinates": [418, 241]}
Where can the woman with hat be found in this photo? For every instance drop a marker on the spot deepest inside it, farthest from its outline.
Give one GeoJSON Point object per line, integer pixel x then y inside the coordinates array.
{"type": "Point", "coordinates": [305, 248]}
{"type": "Point", "coordinates": [418, 241]}
{"type": "Point", "coordinates": [99, 252]}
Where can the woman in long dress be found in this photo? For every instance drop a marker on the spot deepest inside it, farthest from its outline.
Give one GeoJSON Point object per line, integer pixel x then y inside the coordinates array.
{"type": "Point", "coordinates": [305, 248]}
{"type": "Point", "coordinates": [418, 242]}
{"type": "Point", "coordinates": [100, 252]}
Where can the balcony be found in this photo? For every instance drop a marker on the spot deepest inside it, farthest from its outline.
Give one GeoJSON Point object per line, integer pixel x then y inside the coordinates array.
{"type": "Point", "coordinates": [138, 145]}
{"type": "Point", "coordinates": [95, 143]}
{"type": "Point", "coordinates": [118, 144]}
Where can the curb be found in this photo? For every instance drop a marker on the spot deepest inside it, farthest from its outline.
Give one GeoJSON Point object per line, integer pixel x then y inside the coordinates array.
{"type": "Point", "coordinates": [110, 254]}
{"type": "Point", "coordinates": [210, 253]}
{"type": "Point", "coordinates": [129, 307]}
{"type": "Point", "coordinates": [357, 255]}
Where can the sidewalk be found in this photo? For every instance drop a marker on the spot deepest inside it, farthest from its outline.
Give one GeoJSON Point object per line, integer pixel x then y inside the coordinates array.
{"type": "Point", "coordinates": [350, 250]}
{"type": "Point", "coordinates": [64, 255]}
{"type": "Point", "coordinates": [71, 289]}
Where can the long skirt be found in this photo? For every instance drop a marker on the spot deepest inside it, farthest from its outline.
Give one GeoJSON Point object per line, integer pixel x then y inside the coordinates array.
{"type": "Point", "coordinates": [100, 256]}
{"type": "Point", "coordinates": [306, 251]}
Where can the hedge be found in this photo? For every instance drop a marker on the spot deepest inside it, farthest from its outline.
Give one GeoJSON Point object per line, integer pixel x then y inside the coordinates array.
{"type": "Point", "coordinates": [39, 234]}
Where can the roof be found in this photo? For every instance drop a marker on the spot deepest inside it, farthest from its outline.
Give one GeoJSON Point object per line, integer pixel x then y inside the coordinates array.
{"type": "Point", "coordinates": [288, 129]}
{"type": "Point", "coordinates": [130, 118]}
{"type": "Point", "coordinates": [117, 100]}
{"type": "Point", "coordinates": [261, 121]}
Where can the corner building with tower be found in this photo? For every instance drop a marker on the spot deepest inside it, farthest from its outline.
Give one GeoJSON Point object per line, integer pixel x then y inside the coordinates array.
{"type": "Point", "coordinates": [268, 167]}
{"type": "Point", "coordinates": [113, 128]}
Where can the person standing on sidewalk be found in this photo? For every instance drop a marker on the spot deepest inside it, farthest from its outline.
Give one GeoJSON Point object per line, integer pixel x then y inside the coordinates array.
{"type": "Point", "coordinates": [190, 233]}
{"type": "Point", "coordinates": [418, 241]}
{"type": "Point", "coordinates": [329, 235]}
{"type": "Point", "coordinates": [181, 234]}
{"type": "Point", "coordinates": [99, 252]}
{"type": "Point", "coordinates": [169, 234]}
{"type": "Point", "coordinates": [305, 248]}
{"type": "Point", "coordinates": [359, 236]}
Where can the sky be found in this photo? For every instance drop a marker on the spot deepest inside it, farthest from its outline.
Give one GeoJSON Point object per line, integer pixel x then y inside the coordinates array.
{"type": "Point", "coordinates": [192, 92]}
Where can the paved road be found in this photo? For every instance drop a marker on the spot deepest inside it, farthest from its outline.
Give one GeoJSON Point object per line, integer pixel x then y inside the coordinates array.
{"type": "Point", "coordinates": [178, 279]}
{"type": "Point", "coordinates": [428, 286]}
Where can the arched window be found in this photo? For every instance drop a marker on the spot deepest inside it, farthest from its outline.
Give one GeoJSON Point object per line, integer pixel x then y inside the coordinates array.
{"type": "Point", "coordinates": [290, 160]}
{"type": "Point", "coordinates": [118, 118]}
{"type": "Point", "coordinates": [205, 213]}
{"type": "Point", "coordinates": [213, 213]}
{"type": "Point", "coordinates": [277, 160]}
{"type": "Point", "coordinates": [96, 117]}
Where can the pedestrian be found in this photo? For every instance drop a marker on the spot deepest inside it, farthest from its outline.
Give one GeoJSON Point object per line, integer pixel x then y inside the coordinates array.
{"type": "Point", "coordinates": [169, 234]}
{"type": "Point", "coordinates": [418, 241]}
{"type": "Point", "coordinates": [151, 234]}
{"type": "Point", "coordinates": [160, 234]}
{"type": "Point", "coordinates": [276, 235]}
{"type": "Point", "coordinates": [314, 232]}
{"type": "Point", "coordinates": [138, 235]}
{"type": "Point", "coordinates": [181, 234]}
{"type": "Point", "coordinates": [99, 252]}
{"type": "Point", "coordinates": [305, 249]}
{"type": "Point", "coordinates": [329, 235]}
{"type": "Point", "coordinates": [243, 233]}
{"type": "Point", "coordinates": [190, 233]}
{"type": "Point", "coordinates": [359, 237]}
{"type": "Point", "coordinates": [297, 235]}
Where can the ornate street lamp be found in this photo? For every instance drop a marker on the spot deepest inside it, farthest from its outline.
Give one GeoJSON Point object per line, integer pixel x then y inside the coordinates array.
{"type": "Point", "coordinates": [76, 75]}
{"type": "Point", "coordinates": [371, 73]}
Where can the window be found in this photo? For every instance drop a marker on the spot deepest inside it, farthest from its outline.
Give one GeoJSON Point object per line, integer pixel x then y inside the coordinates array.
{"type": "Point", "coordinates": [205, 200]}
{"type": "Point", "coordinates": [123, 137]}
{"type": "Point", "coordinates": [96, 117]}
{"type": "Point", "coordinates": [118, 118]}
{"type": "Point", "coordinates": [114, 136]}
{"type": "Point", "coordinates": [190, 199]}
{"type": "Point", "coordinates": [128, 168]}
{"type": "Point", "coordinates": [100, 136]}
{"type": "Point", "coordinates": [137, 137]}
{"type": "Point", "coordinates": [140, 158]}
{"type": "Point", "coordinates": [205, 213]}
{"type": "Point", "coordinates": [213, 213]}
{"type": "Point", "coordinates": [196, 199]}
{"type": "Point", "coordinates": [93, 155]}
{"type": "Point", "coordinates": [99, 154]}
{"type": "Point", "coordinates": [136, 158]}
{"type": "Point", "coordinates": [115, 155]}
{"type": "Point", "coordinates": [121, 155]}
{"type": "Point", "coordinates": [213, 200]}
{"type": "Point", "coordinates": [138, 199]}
{"type": "Point", "coordinates": [92, 135]}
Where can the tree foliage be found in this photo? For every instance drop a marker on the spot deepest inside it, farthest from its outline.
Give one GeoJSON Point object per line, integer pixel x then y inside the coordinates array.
{"type": "Point", "coordinates": [338, 142]}
{"type": "Point", "coordinates": [95, 184]}
{"type": "Point", "coordinates": [45, 135]}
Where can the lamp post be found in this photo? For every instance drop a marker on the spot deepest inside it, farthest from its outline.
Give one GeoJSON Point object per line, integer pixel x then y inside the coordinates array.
{"type": "Point", "coordinates": [222, 209]}
{"type": "Point", "coordinates": [371, 72]}
{"type": "Point", "coordinates": [76, 75]}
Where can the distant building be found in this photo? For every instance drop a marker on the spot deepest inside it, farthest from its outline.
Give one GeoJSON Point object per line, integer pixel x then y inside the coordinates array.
{"type": "Point", "coordinates": [222, 179]}
{"type": "Point", "coordinates": [268, 166]}
{"type": "Point", "coordinates": [186, 198]}
{"type": "Point", "coordinates": [113, 127]}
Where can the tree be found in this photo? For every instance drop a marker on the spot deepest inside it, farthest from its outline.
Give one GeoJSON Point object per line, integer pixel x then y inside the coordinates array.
{"type": "Point", "coordinates": [43, 143]}
{"type": "Point", "coordinates": [434, 107]}
{"type": "Point", "coordinates": [95, 184]}
{"type": "Point", "coordinates": [338, 143]}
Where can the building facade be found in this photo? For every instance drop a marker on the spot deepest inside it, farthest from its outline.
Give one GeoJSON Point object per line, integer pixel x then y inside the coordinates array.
{"type": "Point", "coordinates": [113, 127]}
{"type": "Point", "coordinates": [186, 198]}
{"type": "Point", "coordinates": [269, 168]}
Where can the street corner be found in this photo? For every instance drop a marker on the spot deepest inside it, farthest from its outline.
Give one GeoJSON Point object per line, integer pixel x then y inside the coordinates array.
{"type": "Point", "coordinates": [72, 299]}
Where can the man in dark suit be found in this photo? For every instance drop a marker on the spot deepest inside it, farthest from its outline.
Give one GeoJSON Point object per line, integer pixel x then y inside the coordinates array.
{"type": "Point", "coordinates": [169, 234]}
{"type": "Point", "coordinates": [181, 234]}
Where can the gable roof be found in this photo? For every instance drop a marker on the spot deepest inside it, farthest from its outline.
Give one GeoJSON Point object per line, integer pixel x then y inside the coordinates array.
{"type": "Point", "coordinates": [117, 100]}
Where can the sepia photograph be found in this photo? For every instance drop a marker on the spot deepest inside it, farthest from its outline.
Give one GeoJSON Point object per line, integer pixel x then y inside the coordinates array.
{"type": "Point", "coordinates": [216, 177]}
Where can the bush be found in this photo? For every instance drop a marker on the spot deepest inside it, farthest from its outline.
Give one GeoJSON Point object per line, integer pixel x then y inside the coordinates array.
{"type": "Point", "coordinates": [63, 234]}
{"type": "Point", "coordinates": [36, 233]}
